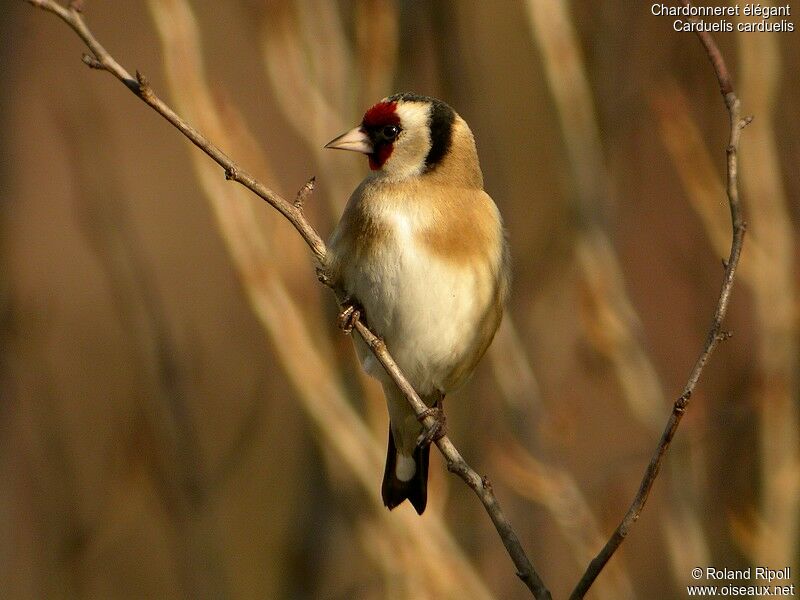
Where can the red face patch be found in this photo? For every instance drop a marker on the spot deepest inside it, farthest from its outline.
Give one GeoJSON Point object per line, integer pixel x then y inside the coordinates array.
{"type": "Point", "coordinates": [381, 155]}
{"type": "Point", "coordinates": [375, 119]}
{"type": "Point", "coordinates": [380, 115]}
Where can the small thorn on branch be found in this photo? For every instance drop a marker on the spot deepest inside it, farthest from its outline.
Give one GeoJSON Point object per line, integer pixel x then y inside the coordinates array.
{"type": "Point", "coordinates": [91, 61]}
{"type": "Point", "coordinates": [144, 89]}
{"type": "Point", "coordinates": [231, 173]}
{"type": "Point", "coordinates": [76, 5]}
{"type": "Point", "coordinates": [305, 192]}
{"type": "Point", "coordinates": [724, 263]}
{"type": "Point", "coordinates": [682, 402]}
{"type": "Point", "coordinates": [377, 344]}
{"type": "Point", "coordinates": [746, 121]}
{"type": "Point", "coordinates": [724, 335]}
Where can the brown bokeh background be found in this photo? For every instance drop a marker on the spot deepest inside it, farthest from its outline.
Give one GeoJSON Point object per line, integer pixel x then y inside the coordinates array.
{"type": "Point", "coordinates": [180, 417]}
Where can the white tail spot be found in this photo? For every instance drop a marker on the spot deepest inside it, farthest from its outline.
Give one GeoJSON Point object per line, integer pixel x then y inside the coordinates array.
{"type": "Point", "coordinates": [405, 467]}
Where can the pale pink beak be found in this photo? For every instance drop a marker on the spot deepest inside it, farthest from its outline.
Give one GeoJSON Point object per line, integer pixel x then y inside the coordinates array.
{"type": "Point", "coordinates": [355, 139]}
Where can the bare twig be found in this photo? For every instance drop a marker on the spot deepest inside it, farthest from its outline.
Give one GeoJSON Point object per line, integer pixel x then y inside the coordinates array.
{"type": "Point", "coordinates": [293, 211]}
{"type": "Point", "coordinates": [715, 334]}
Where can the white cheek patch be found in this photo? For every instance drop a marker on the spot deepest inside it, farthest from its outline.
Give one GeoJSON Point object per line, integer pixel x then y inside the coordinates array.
{"type": "Point", "coordinates": [408, 156]}
{"type": "Point", "coordinates": [405, 467]}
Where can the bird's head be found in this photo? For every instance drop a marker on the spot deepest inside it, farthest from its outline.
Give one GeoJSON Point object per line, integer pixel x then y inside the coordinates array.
{"type": "Point", "coordinates": [404, 135]}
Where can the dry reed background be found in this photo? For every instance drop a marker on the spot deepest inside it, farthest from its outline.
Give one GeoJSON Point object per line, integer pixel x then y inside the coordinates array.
{"type": "Point", "coordinates": [180, 418]}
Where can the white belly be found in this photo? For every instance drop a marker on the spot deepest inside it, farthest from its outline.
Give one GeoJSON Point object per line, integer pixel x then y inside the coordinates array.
{"type": "Point", "coordinates": [427, 309]}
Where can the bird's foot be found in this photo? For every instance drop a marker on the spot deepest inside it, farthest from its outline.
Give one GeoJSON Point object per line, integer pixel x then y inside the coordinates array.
{"type": "Point", "coordinates": [436, 431]}
{"type": "Point", "coordinates": [349, 316]}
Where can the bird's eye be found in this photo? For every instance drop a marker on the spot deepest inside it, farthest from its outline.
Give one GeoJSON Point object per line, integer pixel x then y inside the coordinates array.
{"type": "Point", "coordinates": [391, 131]}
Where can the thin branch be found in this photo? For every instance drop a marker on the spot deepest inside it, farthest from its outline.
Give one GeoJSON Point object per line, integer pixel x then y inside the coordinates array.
{"type": "Point", "coordinates": [715, 333]}
{"type": "Point", "coordinates": [293, 211]}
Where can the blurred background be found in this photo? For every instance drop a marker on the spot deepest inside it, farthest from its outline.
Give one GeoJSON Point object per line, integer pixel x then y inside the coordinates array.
{"type": "Point", "coordinates": [180, 417]}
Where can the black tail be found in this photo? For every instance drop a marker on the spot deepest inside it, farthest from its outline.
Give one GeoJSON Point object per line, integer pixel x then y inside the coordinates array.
{"type": "Point", "coordinates": [394, 490]}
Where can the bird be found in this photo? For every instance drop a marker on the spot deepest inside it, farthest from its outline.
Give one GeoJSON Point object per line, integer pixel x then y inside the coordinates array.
{"type": "Point", "coordinates": [421, 254]}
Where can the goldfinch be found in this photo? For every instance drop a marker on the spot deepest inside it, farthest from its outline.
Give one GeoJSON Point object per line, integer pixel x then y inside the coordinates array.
{"type": "Point", "coordinates": [422, 250]}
